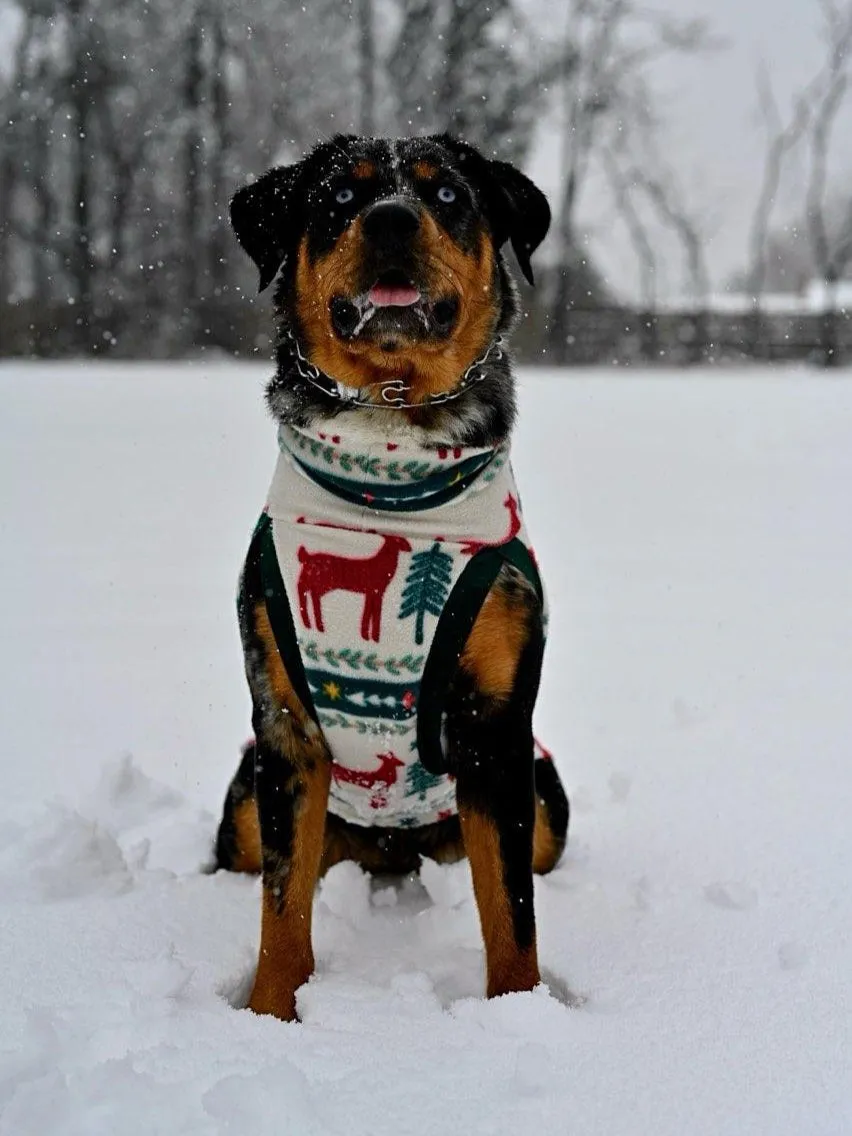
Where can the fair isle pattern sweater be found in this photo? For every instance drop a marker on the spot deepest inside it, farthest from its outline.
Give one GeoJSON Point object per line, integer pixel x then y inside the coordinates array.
{"type": "Point", "coordinates": [371, 539]}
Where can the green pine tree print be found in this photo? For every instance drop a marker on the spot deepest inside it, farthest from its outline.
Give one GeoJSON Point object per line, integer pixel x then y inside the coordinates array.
{"type": "Point", "coordinates": [426, 587]}
{"type": "Point", "coordinates": [419, 780]}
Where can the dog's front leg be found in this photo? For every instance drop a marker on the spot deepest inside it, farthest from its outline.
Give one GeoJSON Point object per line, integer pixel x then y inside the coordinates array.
{"type": "Point", "coordinates": [291, 782]}
{"type": "Point", "coordinates": [292, 795]}
{"type": "Point", "coordinates": [490, 739]}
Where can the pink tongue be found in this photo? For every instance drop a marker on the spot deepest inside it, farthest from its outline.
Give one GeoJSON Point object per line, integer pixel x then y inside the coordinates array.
{"type": "Point", "coordinates": [383, 296]}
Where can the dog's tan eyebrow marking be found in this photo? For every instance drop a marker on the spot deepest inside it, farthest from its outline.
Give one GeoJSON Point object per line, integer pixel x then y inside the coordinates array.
{"type": "Point", "coordinates": [425, 170]}
{"type": "Point", "coordinates": [363, 170]}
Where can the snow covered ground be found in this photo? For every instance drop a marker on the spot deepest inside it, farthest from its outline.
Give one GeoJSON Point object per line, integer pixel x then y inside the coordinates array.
{"type": "Point", "coordinates": [696, 534]}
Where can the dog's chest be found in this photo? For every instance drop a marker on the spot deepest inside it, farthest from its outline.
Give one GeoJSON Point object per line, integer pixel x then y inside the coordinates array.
{"type": "Point", "coordinates": [371, 540]}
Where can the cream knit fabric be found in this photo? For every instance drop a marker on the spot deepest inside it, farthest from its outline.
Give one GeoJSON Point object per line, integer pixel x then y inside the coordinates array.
{"type": "Point", "coordinates": [371, 536]}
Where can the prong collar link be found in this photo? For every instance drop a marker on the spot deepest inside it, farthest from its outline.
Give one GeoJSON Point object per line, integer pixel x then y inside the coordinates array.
{"type": "Point", "coordinates": [392, 391]}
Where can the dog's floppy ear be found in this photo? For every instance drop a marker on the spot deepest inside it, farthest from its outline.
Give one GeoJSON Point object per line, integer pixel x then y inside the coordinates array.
{"type": "Point", "coordinates": [267, 219]}
{"type": "Point", "coordinates": [516, 209]}
{"type": "Point", "coordinates": [520, 212]}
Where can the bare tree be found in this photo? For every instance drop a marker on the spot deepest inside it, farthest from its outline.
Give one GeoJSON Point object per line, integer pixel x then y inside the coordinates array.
{"type": "Point", "coordinates": [830, 257]}
{"type": "Point", "coordinates": [45, 246]}
{"type": "Point", "coordinates": [622, 182]}
{"type": "Point", "coordinates": [668, 201]}
{"type": "Point", "coordinates": [609, 46]}
{"type": "Point", "coordinates": [11, 108]}
{"type": "Point", "coordinates": [410, 64]}
{"type": "Point", "coordinates": [821, 244]}
{"type": "Point", "coordinates": [191, 106]}
{"type": "Point", "coordinates": [590, 43]}
{"type": "Point", "coordinates": [220, 145]}
{"type": "Point", "coordinates": [367, 67]}
{"type": "Point", "coordinates": [472, 68]}
{"type": "Point", "coordinates": [782, 138]}
{"type": "Point", "coordinates": [649, 198]}
{"type": "Point", "coordinates": [465, 33]}
{"type": "Point", "coordinates": [84, 88]}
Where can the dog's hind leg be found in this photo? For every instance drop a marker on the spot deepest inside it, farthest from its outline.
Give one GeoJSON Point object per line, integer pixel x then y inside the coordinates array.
{"type": "Point", "coordinates": [551, 816]}
{"type": "Point", "coordinates": [238, 838]}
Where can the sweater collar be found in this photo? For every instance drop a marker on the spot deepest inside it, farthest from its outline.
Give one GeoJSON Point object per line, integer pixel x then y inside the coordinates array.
{"type": "Point", "coordinates": [400, 475]}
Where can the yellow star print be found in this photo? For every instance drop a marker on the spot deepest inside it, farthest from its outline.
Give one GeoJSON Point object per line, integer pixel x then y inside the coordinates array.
{"type": "Point", "coordinates": [332, 690]}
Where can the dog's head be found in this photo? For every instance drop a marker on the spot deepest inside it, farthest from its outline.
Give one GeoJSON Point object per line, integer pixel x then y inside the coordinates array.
{"type": "Point", "coordinates": [388, 255]}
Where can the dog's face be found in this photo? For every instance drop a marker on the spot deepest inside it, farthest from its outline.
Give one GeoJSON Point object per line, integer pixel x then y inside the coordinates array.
{"type": "Point", "coordinates": [389, 254]}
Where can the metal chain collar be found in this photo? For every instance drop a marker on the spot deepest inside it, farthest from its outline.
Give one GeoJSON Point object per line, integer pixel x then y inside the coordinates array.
{"type": "Point", "coordinates": [393, 390]}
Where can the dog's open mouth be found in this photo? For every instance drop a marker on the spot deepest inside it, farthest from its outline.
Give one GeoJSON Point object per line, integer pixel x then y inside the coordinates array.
{"type": "Point", "coordinates": [393, 290]}
{"type": "Point", "coordinates": [393, 309]}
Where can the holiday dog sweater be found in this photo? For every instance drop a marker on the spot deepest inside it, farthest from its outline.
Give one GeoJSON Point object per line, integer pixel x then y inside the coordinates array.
{"type": "Point", "coordinates": [376, 557]}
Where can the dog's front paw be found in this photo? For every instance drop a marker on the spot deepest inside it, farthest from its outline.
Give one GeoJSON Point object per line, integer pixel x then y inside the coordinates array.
{"type": "Point", "coordinates": [276, 983]}
{"type": "Point", "coordinates": [268, 998]}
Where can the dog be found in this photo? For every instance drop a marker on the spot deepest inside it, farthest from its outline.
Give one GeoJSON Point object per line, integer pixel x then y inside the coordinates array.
{"type": "Point", "coordinates": [390, 607]}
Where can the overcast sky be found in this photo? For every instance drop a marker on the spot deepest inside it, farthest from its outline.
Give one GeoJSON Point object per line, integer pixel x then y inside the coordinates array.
{"type": "Point", "coordinates": [716, 137]}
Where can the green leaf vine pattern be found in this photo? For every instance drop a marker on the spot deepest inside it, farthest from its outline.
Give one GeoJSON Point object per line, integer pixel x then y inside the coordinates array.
{"type": "Point", "coordinates": [372, 466]}
{"type": "Point", "coordinates": [358, 660]}
{"type": "Point", "coordinates": [377, 729]}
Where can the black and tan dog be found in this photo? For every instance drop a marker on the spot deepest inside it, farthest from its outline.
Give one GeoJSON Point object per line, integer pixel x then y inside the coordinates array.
{"type": "Point", "coordinates": [392, 292]}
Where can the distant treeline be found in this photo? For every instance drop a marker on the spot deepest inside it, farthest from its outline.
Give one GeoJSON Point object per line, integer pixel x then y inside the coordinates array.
{"type": "Point", "coordinates": [237, 324]}
{"type": "Point", "coordinates": [127, 126]}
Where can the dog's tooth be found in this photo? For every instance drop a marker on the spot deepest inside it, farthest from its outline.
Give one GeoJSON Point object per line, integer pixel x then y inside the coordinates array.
{"type": "Point", "coordinates": [367, 311]}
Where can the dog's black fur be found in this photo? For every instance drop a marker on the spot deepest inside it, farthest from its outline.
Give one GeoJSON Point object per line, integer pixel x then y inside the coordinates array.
{"type": "Point", "coordinates": [271, 216]}
{"type": "Point", "coordinates": [433, 214]}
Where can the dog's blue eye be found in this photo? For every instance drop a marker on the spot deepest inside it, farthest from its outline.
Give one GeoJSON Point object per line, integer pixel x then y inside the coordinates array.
{"type": "Point", "coordinates": [344, 196]}
{"type": "Point", "coordinates": [446, 194]}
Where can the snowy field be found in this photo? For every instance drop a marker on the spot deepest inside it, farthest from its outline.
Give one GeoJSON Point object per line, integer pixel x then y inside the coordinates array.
{"type": "Point", "coordinates": [696, 536]}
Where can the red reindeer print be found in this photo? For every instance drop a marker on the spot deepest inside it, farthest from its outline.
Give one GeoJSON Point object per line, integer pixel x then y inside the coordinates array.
{"type": "Point", "coordinates": [324, 572]}
{"type": "Point", "coordinates": [469, 547]}
{"type": "Point", "coordinates": [379, 780]}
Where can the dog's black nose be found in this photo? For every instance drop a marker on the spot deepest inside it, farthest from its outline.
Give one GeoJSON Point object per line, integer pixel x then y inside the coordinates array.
{"type": "Point", "coordinates": [390, 222]}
